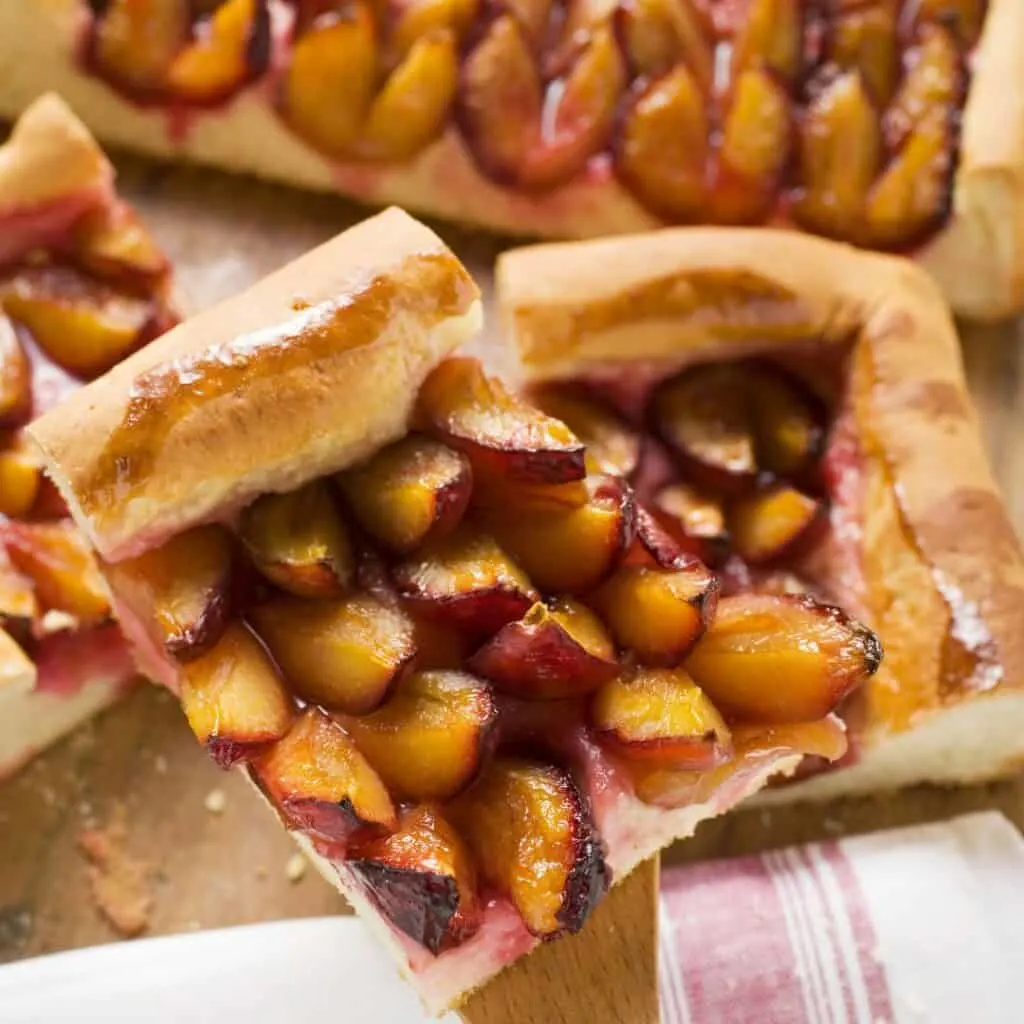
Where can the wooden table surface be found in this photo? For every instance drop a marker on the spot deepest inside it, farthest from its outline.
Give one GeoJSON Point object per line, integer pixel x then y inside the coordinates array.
{"type": "Point", "coordinates": [140, 760]}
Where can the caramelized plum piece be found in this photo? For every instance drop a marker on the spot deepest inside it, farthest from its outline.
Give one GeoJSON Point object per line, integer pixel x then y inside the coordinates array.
{"type": "Point", "coordinates": [83, 325]}
{"type": "Point", "coordinates": [915, 192]}
{"type": "Point", "coordinates": [657, 35]}
{"type": "Point", "coordinates": [773, 523]}
{"type": "Point", "coordinates": [329, 84]}
{"type": "Point", "coordinates": [112, 243]}
{"type": "Point", "coordinates": [659, 614]}
{"type": "Point", "coordinates": [413, 490]}
{"type": "Point", "coordinates": [964, 17]}
{"type": "Point", "coordinates": [755, 747]}
{"type": "Point", "coordinates": [612, 446]}
{"type": "Point", "coordinates": [183, 588]}
{"type": "Point", "coordinates": [726, 422]}
{"type": "Point", "coordinates": [661, 152]}
{"type": "Point", "coordinates": [322, 785]}
{"type": "Point", "coordinates": [422, 879]}
{"type": "Point", "coordinates": [756, 141]}
{"type": "Point", "coordinates": [417, 19]}
{"type": "Point", "coordinates": [782, 659]}
{"type": "Point", "coordinates": [573, 550]}
{"type": "Point", "coordinates": [864, 38]}
{"type": "Point", "coordinates": [790, 422]}
{"type": "Point", "coordinates": [57, 559]}
{"type": "Point", "coordinates": [465, 580]}
{"type": "Point", "coordinates": [430, 739]}
{"type": "Point", "coordinates": [15, 377]}
{"type": "Point", "coordinates": [704, 416]}
{"type": "Point", "coordinates": [134, 44]}
{"type": "Point", "coordinates": [234, 699]}
{"type": "Point", "coordinates": [499, 433]}
{"type": "Point", "coordinates": [413, 106]}
{"type": "Point", "coordinates": [18, 605]}
{"type": "Point", "coordinates": [660, 716]}
{"type": "Point", "coordinates": [231, 46]}
{"type": "Point", "coordinates": [695, 520]}
{"type": "Point", "coordinates": [20, 477]}
{"type": "Point", "coordinates": [934, 78]}
{"type": "Point", "coordinates": [533, 133]}
{"type": "Point", "coordinates": [298, 541]}
{"type": "Point", "coordinates": [346, 655]}
{"type": "Point", "coordinates": [530, 831]}
{"type": "Point", "coordinates": [840, 155]}
{"type": "Point", "coordinates": [771, 37]}
{"type": "Point", "coordinates": [557, 649]}
{"type": "Point", "coordinates": [654, 546]}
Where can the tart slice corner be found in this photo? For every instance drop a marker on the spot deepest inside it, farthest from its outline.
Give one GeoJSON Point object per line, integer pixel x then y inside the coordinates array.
{"type": "Point", "coordinates": [805, 420]}
{"type": "Point", "coordinates": [434, 626]}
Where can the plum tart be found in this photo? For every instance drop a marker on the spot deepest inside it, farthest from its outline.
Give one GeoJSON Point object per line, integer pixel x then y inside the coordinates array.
{"type": "Point", "coordinates": [892, 124]}
{"type": "Point", "coordinates": [795, 413]}
{"type": "Point", "coordinates": [81, 285]}
{"type": "Point", "coordinates": [434, 625]}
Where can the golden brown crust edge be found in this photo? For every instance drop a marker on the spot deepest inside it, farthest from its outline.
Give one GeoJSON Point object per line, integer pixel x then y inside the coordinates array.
{"type": "Point", "coordinates": [937, 539]}
{"type": "Point", "coordinates": [978, 258]}
{"type": "Point", "coordinates": [311, 369]}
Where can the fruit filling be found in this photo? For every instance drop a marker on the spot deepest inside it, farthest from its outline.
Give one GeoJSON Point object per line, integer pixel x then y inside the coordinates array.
{"type": "Point", "coordinates": [842, 118]}
{"type": "Point", "coordinates": [71, 306]}
{"type": "Point", "coordinates": [179, 51]}
{"type": "Point", "coordinates": [427, 660]}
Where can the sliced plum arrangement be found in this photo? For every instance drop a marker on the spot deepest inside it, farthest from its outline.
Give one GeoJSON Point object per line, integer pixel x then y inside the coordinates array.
{"type": "Point", "coordinates": [842, 118]}
{"type": "Point", "coordinates": [436, 635]}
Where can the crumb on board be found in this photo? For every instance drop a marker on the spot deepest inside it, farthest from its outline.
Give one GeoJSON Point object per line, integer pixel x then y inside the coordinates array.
{"type": "Point", "coordinates": [215, 802]}
{"type": "Point", "coordinates": [120, 883]}
{"type": "Point", "coordinates": [295, 869]}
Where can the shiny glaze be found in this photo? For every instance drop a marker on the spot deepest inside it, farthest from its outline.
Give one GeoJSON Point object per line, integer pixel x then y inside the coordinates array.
{"type": "Point", "coordinates": [170, 392]}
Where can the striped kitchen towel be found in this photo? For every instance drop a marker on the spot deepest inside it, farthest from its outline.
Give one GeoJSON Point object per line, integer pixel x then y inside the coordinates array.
{"type": "Point", "coordinates": [921, 925]}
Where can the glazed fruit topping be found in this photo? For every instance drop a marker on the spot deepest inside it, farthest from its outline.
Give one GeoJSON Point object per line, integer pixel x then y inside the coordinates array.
{"type": "Point", "coordinates": [529, 828]}
{"type": "Point", "coordinates": [411, 491]}
{"type": "Point", "coordinates": [557, 649]}
{"type": "Point", "coordinates": [430, 739]}
{"type": "Point", "coordinates": [234, 698]}
{"type": "Point", "coordinates": [662, 716]}
{"type": "Point", "coordinates": [435, 635]}
{"type": "Point", "coordinates": [344, 654]}
{"type": "Point", "coordinates": [183, 587]}
{"type": "Point", "coordinates": [423, 879]}
{"type": "Point", "coordinates": [500, 434]}
{"type": "Point", "coordinates": [730, 113]}
{"type": "Point", "coordinates": [176, 51]}
{"type": "Point", "coordinates": [299, 542]}
{"type": "Point", "coordinates": [782, 659]}
{"type": "Point", "coordinates": [322, 784]}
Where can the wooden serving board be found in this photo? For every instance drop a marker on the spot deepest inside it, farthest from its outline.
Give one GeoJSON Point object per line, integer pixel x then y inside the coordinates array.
{"type": "Point", "coordinates": [210, 854]}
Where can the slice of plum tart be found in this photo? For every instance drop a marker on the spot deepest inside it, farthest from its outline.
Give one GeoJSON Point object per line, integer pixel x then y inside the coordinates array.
{"type": "Point", "coordinates": [81, 285]}
{"type": "Point", "coordinates": [795, 413]}
{"type": "Point", "coordinates": [892, 124]}
{"type": "Point", "coordinates": [439, 632]}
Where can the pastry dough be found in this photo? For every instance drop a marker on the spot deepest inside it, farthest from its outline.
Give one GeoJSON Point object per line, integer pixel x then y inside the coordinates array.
{"type": "Point", "coordinates": [935, 568]}
{"type": "Point", "coordinates": [977, 258]}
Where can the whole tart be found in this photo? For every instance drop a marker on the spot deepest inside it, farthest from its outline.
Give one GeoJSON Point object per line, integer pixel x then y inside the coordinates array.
{"type": "Point", "coordinates": [804, 416]}
{"type": "Point", "coordinates": [893, 124]}
{"type": "Point", "coordinates": [437, 630]}
{"type": "Point", "coordinates": [81, 286]}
